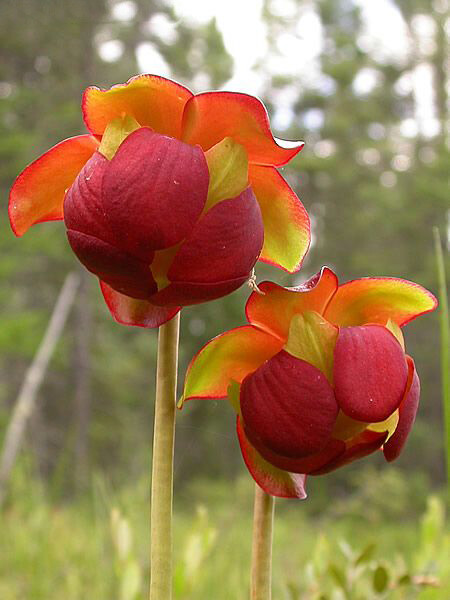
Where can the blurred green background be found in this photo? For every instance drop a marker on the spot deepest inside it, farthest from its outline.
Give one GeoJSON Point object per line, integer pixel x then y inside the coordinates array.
{"type": "Point", "coordinates": [365, 85]}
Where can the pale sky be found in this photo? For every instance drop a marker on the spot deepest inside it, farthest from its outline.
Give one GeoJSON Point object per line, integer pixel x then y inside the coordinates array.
{"type": "Point", "coordinates": [294, 51]}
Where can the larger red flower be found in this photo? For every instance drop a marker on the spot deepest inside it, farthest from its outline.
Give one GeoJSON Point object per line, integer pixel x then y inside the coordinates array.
{"type": "Point", "coordinates": [171, 199]}
{"type": "Point", "coordinates": [319, 378]}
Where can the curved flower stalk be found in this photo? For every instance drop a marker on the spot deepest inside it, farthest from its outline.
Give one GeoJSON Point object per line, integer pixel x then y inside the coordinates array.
{"type": "Point", "coordinates": [170, 199]}
{"type": "Point", "coordinates": [319, 378]}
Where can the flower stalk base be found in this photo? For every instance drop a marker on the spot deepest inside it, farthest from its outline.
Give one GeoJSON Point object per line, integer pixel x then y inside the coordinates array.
{"type": "Point", "coordinates": [162, 468]}
{"type": "Point", "coordinates": [261, 573]}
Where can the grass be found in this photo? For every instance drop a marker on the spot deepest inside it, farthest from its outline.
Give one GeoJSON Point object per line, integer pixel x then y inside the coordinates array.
{"type": "Point", "coordinates": [444, 334]}
{"type": "Point", "coordinates": [50, 551]}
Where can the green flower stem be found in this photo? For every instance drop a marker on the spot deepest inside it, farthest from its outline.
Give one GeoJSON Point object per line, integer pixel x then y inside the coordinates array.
{"type": "Point", "coordinates": [261, 576]}
{"type": "Point", "coordinates": [162, 468]}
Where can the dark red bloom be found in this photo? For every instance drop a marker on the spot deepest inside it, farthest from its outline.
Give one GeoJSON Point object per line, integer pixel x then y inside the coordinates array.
{"type": "Point", "coordinates": [171, 200]}
{"type": "Point", "coordinates": [127, 216]}
{"type": "Point", "coordinates": [319, 378]}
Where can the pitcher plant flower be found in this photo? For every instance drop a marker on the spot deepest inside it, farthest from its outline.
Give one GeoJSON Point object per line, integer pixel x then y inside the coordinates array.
{"type": "Point", "coordinates": [318, 378]}
{"type": "Point", "coordinates": [170, 199]}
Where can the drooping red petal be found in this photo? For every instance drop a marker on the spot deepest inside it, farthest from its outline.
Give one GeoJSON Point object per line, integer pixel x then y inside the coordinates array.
{"type": "Point", "coordinates": [370, 372]}
{"type": "Point", "coordinates": [287, 232]}
{"type": "Point", "coordinates": [38, 192]}
{"type": "Point", "coordinates": [154, 190]}
{"type": "Point", "coordinates": [274, 309]}
{"type": "Point", "coordinates": [153, 101]}
{"type": "Point", "coordinates": [272, 480]}
{"type": "Point", "coordinates": [186, 294]}
{"type": "Point", "coordinates": [307, 464]}
{"type": "Point", "coordinates": [212, 116]}
{"type": "Point", "coordinates": [123, 272]}
{"type": "Point", "coordinates": [407, 415]}
{"type": "Point", "coordinates": [223, 245]}
{"type": "Point", "coordinates": [289, 406]}
{"type": "Point", "coordinates": [229, 356]}
{"type": "Point", "coordinates": [378, 299]}
{"type": "Point", "coordinates": [218, 255]}
{"type": "Point", "coordinates": [130, 311]}
{"type": "Point", "coordinates": [362, 445]}
{"type": "Point", "coordinates": [83, 207]}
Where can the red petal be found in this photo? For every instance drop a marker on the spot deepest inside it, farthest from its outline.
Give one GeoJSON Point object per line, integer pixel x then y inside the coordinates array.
{"type": "Point", "coordinates": [153, 101]}
{"type": "Point", "coordinates": [38, 192]}
{"type": "Point", "coordinates": [185, 294]}
{"type": "Point", "coordinates": [140, 313]}
{"type": "Point", "coordinates": [370, 372]}
{"type": "Point", "coordinates": [289, 406]}
{"type": "Point", "coordinates": [83, 207]}
{"type": "Point", "coordinates": [123, 272]}
{"type": "Point", "coordinates": [272, 480]}
{"type": "Point", "coordinates": [286, 223]}
{"type": "Point", "coordinates": [154, 190]}
{"type": "Point", "coordinates": [307, 464]}
{"type": "Point", "coordinates": [273, 310]}
{"type": "Point", "coordinates": [212, 116]}
{"type": "Point", "coordinates": [364, 444]}
{"type": "Point", "coordinates": [407, 415]}
{"type": "Point", "coordinates": [224, 244]}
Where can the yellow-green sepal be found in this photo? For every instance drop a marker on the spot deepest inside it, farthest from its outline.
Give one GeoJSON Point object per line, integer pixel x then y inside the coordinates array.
{"type": "Point", "coordinates": [116, 131]}
{"type": "Point", "coordinates": [396, 332]}
{"type": "Point", "coordinates": [228, 171]}
{"type": "Point", "coordinates": [233, 393]}
{"type": "Point", "coordinates": [312, 339]}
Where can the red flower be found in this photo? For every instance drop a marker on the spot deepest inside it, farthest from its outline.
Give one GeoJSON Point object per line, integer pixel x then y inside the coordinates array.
{"type": "Point", "coordinates": [319, 378]}
{"type": "Point", "coordinates": [171, 199]}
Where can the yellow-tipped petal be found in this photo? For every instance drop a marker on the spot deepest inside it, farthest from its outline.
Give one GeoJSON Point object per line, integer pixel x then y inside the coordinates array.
{"type": "Point", "coordinates": [153, 101]}
{"type": "Point", "coordinates": [230, 356]}
{"type": "Point", "coordinates": [378, 299]}
{"type": "Point", "coordinates": [287, 232]}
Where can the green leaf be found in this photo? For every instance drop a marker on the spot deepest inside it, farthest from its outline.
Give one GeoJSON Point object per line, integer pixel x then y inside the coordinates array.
{"type": "Point", "coordinates": [433, 522]}
{"type": "Point", "coordinates": [366, 554]}
{"type": "Point", "coordinates": [405, 579]}
{"type": "Point", "coordinates": [380, 579]}
{"type": "Point", "coordinates": [338, 575]}
{"type": "Point", "coordinates": [346, 550]}
{"type": "Point", "coordinates": [293, 591]}
{"type": "Point", "coordinates": [131, 581]}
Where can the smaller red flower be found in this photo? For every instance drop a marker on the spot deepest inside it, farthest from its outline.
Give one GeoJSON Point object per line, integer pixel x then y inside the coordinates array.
{"type": "Point", "coordinates": [172, 198]}
{"type": "Point", "coordinates": [319, 378]}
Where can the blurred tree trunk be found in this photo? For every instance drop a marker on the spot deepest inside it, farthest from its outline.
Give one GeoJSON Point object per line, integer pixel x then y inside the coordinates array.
{"type": "Point", "coordinates": [33, 379]}
{"type": "Point", "coordinates": [83, 371]}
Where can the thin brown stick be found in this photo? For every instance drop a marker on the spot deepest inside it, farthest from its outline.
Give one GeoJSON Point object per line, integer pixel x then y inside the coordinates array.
{"type": "Point", "coordinates": [34, 376]}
